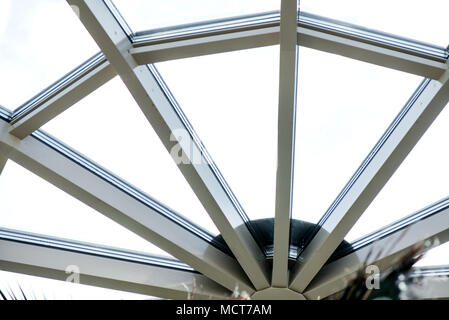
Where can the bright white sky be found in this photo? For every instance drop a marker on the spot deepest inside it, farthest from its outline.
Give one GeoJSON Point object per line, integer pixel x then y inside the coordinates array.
{"type": "Point", "coordinates": [231, 99]}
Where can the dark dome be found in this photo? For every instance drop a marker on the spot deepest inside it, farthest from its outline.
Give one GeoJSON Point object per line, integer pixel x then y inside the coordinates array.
{"type": "Point", "coordinates": [299, 232]}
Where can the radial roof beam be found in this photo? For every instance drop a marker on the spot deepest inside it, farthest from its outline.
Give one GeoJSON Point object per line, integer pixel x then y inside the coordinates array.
{"type": "Point", "coordinates": [176, 133]}
{"type": "Point", "coordinates": [384, 248]}
{"type": "Point", "coordinates": [288, 78]}
{"type": "Point", "coordinates": [121, 202]}
{"type": "Point", "coordinates": [372, 46]}
{"type": "Point", "coordinates": [402, 135]}
{"type": "Point", "coordinates": [61, 95]}
{"type": "Point", "coordinates": [106, 267]}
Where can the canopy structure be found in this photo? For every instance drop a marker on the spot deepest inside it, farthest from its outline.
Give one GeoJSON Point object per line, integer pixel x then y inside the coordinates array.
{"type": "Point", "coordinates": [205, 266]}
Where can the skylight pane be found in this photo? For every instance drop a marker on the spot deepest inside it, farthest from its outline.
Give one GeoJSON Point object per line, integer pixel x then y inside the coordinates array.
{"type": "Point", "coordinates": [37, 288]}
{"type": "Point", "coordinates": [40, 41]}
{"type": "Point", "coordinates": [437, 256]}
{"type": "Point", "coordinates": [109, 128]}
{"type": "Point", "coordinates": [231, 100]}
{"type": "Point", "coordinates": [344, 107]}
{"type": "Point", "coordinates": [422, 179]}
{"type": "Point", "coordinates": [152, 14]}
{"type": "Point", "coordinates": [423, 21]}
{"type": "Point", "coordinates": [31, 204]}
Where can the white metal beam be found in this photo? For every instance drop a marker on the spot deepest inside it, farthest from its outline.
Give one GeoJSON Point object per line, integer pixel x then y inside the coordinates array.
{"type": "Point", "coordinates": [383, 249]}
{"type": "Point", "coordinates": [161, 110]}
{"type": "Point", "coordinates": [210, 38]}
{"type": "Point", "coordinates": [371, 46]}
{"type": "Point", "coordinates": [121, 202]}
{"type": "Point", "coordinates": [61, 95]}
{"type": "Point", "coordinates": [102, 266]}
{"type": "Point", "coordinates": [313, 32]}
{"type": "Point", "coordinates": [286, 141]}
{"type": "Point", "coordinates": [402, 135]}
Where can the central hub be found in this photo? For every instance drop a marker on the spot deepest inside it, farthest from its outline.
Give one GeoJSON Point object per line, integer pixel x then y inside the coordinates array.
{"type": "Point", "coordinates": [263, 232]}
{"type": "Point", "coordinates": [277, 294]}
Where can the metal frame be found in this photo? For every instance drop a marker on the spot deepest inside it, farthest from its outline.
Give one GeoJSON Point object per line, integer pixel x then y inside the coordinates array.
{"type": "Point", "coordinates": [288, 78]}
{"type": "Point", "coordinates": [161, 110]}
{"type": "Point", "coordinates": [123, 203]}
{"type": "Point", "coordinates": [229, 35]}
{"type": "Point", "coordinates": [106, 267]}
{"type": "Point", "coordinates": [399, 139]}
{"type": "Point", "coordinates": [242, 263]}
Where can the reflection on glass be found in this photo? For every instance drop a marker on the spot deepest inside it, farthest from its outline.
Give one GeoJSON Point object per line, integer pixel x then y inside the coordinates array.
{"type": "Point", "coordinates": [108, 127]}
{"type": "Point", "coordinates": [344, 107]}
{"type": "Point", "coordinates": [31, 204]}
{"type": "Point", "coordinates": [41, 41]}
{"type": "Point", "coordinates": [413, 19]}
{"type": "Point", "coordinates": [152, 14]}
{"type": "Point", "coordinates": [37, 288]}
{"type": "Point", "coordinates": [422, 179]}
{"type": "Point", "coordinates": [231, 100]}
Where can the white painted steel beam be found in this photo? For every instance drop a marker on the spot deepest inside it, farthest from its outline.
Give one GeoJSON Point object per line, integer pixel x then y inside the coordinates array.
{"type": "Point", "coordinates": [371, 46]}
{"type": "Point", "coordinates": [61, 95]}
{"type": "Point", "coordinates": [102, 266]}
{"type": "Point", "coordinates": [288, 78]}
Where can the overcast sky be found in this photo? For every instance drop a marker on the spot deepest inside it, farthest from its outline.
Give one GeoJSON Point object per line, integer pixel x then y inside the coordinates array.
{"type": "Point", "coordinates": [344, 106]}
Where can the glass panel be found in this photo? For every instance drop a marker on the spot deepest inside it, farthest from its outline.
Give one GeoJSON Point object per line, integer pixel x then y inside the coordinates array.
{"type": "Point", "coordinates": [153, 14]}
{"type": "Point", "coordinates": [344, 106]}
{"type": "Point", "coordinates": [231, 100]}
{"type": "Point", "coordinates": [415, 19]}
{"type": "Point", "coordinates": [37, 288]}
{"type": "Point", "coordinates": [41, 41]}
{"type": "Point", "coordinates": [422, 179]}
{"type": "Point", "coordinates": [437, 256]}
{"type": "Point", "coordinates": [109, 127]}
{"type": "Point", "coordinates": [31, 204]}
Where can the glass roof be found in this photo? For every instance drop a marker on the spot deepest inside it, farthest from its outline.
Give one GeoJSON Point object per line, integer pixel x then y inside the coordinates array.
{"type": "Point", "coordinates": [37, 288]}
{"type": "Point", "coordinates": [344, 107]}
{"type": "Point", "coordinates": [231, 100]}
{"type": "Point", "coordinates": [152, 14]}
{"type": "Point", "coordinates": [50, 211]}
{"type": "Point", "coordinates": [422, 179]}
{"type": "Point", "coordinates": [115, 133]}
{"type": "Point", "coordinates": [36, 49]}
{"type": "Point", "coordinates": [415, 19]}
